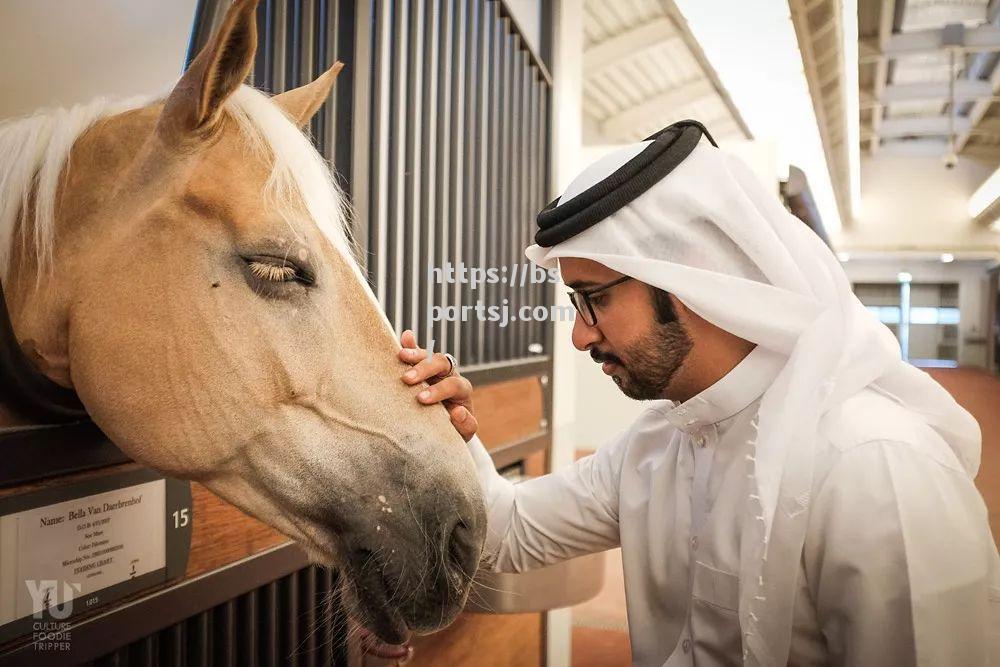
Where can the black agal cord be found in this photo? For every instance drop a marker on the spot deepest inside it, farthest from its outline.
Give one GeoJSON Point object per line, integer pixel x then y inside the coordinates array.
{"type": "Point", "coordinates": [670, 147]}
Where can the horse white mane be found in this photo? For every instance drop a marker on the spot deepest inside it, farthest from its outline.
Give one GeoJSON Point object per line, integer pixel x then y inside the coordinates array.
{"type": "Point", "coordinates": [35, 149]}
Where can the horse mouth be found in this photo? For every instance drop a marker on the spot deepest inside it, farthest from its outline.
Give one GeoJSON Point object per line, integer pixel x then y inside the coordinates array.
{"type": "Point", "coordinates": [372, 607]}
{"type": "Point", "coordinates": [384, 625]}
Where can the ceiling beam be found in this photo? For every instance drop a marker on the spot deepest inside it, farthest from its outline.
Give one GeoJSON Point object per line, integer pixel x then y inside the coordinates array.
{"type": "Point", "coordinates": [919, 42]}
{"type": "Point", "coordinates": [978, 110]}
{"type": "Point", "coordinates": [924, 126]}
{"type": "Point", "coordinates": [628, 45]}
{"type": "Point", "coordinates": [885, 22]}
{"type": "Point", "coordinates": [938, 90]}
{"type": "Point", "coordinates": [623, 124]}
{"type": "Point", "coordinates": [915, 148]}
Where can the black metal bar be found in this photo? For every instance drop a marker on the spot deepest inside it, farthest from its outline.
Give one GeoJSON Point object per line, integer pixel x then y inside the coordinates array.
{"type": "Point", "coordinates": [359, 113]}
{"type": "Point", "coordinates": [343, 28]}
{"type": "Point", "coordinates": [412, 273]}
{"type": "Point", "coordinates": [172, 650]}
{"type": "Point", "coordinates": [443, 180]}
{"type": "Point", "coordinates": [548, 18]}
{"type": "Point", "coordinates": [307, 40]}
{"type": "Point", "coordinates": [224, 626]}
{"type": "Point", "coordinates": [208, 16]}
{"type": "Point", "coordinates": [521, 331]}
{"type": "Point", "coordinates": [307, 617]}
{"type": "Point", "coordinates": [200, 640]}
{"type": "Point", "coordinates": [249, 639]}
{"type": "Point", "coordinates": [506, 193]}
{"type": "Point", "coordinates": [269, 622]}
{"type": "Point", "coordinates": [470, 172]}
{"type": "Point", "coordinates": [393, 248]}
{"type": "Point", "coordinates": [318, 50]}
{"type": "Point", "coordinates": [293, 35]}
{"type": "Point", "coordinates": [290, 620]}
{"type": "Point", "coordinates": [481, 195]}
{"type": "Point", "coordinates": [378, 151]}
{"type": "Point", "coordinates": [456, 158]}
{"type": "Point", "coordinates": [280, 46]}
{"type": "Point", "coordinates": [542, 68]}
{"type": "Point", "coordinates": [428, 170]}
{"type": "Point", "coordinates": [533, 205]}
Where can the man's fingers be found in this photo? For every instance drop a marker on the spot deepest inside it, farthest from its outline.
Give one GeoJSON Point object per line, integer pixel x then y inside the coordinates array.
{"type": "Point", "coordinates": [426, 368]}
{"type": "Point", "coordinates": [464, 422]}
{"type": "Point", "coordinates": [454, 388]}
{"type": "Point", "coordinates": [408, 339]}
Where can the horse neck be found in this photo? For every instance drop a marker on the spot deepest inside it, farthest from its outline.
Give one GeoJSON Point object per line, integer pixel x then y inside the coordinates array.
{"type": "Point", "coordinates": [38, 297]}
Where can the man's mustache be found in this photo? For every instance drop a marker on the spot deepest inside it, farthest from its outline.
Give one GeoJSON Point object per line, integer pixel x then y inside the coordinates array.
{"type": "Point", "coordinates": [601, 357]}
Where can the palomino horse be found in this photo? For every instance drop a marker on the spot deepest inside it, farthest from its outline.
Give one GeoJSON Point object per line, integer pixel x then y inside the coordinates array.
{"type": "Point", "coordinates": [182, 266]}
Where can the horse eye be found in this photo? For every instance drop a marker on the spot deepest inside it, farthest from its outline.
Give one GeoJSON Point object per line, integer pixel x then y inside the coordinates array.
{"type": "Point", "coordinates": [277, 270]}
{"type": "Point", "coordinates": [272, 272]}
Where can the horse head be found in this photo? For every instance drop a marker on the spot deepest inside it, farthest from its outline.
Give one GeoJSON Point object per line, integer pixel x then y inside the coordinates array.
{"type": "Point", "coordinates": [186, 271]}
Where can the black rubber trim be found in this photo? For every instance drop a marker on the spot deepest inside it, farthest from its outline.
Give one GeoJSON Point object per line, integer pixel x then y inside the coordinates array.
{"type": "Point", "coordinates": [24, 389]}
{"type": "Point", "coordinates": [670, 147]}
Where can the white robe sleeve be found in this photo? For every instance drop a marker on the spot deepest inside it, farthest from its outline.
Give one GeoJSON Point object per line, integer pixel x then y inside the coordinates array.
{"type": "Point", "coordinates": [541, 521]}
{"type": "Point", "coordinates": [900, 561]}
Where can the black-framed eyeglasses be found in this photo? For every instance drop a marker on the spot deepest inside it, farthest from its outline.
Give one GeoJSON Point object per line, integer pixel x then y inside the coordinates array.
{"type": "Point", "coordinates": [583, 304]}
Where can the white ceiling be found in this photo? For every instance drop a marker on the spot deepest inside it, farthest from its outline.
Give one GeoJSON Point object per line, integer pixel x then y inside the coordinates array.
{"type": "Point", "coordinates": [643, 71]}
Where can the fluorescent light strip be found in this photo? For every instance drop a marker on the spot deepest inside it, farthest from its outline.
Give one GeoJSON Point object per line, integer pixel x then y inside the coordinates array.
{"type": "Point", "coordinates": [753, 48]}
{"type": "Point", "coordinates": [985, 195]}
{"type": "Point", "coordinates": [852, 103]}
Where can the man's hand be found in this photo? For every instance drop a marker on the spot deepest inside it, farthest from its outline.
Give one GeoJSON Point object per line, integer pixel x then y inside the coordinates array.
{"type": "Point", "coordinates": [453, 391]}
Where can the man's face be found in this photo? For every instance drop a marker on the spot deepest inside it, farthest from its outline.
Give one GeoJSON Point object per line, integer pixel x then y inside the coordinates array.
{"type": "Point", "coordinates": [640, 354]}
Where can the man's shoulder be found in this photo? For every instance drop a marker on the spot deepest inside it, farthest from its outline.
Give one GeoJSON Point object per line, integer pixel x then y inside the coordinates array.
{"type": "Point", "coordinates": [647, 429]}
{"type": "Point", "coordinates": [871, 418]}
{"type": "Point", "coordinates": [653, 419]}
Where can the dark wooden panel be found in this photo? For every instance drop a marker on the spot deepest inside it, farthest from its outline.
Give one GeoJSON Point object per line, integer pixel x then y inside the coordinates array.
{"type": "Point", "coordinates": [509, 411]}
{"type": "Point", "coordinates": [480, 640]}
{"type": "Point", "coordinates": [223, 534]}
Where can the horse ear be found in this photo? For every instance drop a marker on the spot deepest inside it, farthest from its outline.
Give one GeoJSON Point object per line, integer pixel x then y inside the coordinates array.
{"type": "Point", "coordinates": [195, 104]}
{"type": "Point", "coordinates": [303, 102]}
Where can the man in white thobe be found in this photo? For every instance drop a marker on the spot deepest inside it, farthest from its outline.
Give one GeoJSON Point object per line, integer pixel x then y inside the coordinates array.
{"type": "Point", "coordinates": [794, 493]}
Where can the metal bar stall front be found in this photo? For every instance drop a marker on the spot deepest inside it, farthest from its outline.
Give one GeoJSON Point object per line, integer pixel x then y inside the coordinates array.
{"type": "Point", "coordinates": [439, 134]}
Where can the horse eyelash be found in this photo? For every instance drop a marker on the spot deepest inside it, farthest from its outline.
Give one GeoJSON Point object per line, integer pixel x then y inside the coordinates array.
{"type": "Point", "coordinates": [273, 272]}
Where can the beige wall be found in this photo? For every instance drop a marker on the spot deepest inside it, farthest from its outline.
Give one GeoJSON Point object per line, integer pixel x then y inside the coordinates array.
{"type": "Point", "coordinates": [916, 203]}
{"type": "Point", "coordinates": [60, 52]}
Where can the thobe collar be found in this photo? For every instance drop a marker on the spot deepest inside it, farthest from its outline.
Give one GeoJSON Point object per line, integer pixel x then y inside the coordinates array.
{"type": "Point", "coordinates": [737, 389]}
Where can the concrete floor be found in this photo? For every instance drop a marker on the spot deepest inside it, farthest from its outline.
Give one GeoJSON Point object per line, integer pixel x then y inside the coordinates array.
{"type": "Point", "coordinates": [600, 627]}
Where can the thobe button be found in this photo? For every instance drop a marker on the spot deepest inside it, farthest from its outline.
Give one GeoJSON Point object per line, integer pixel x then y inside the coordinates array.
{"type": "Point", "coordinates": [686, 645]}
{"type": "Point", "coordinates": [694, 542]}
{"type": "Point", "coordinates": [699, 440]}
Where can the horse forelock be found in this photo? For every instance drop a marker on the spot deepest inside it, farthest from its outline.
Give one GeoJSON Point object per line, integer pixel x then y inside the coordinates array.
{"type": "Point", "coordinates": [35, 149]}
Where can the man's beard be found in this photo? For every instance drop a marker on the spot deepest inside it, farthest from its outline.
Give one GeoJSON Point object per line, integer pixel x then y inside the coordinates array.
{"type": "Point", "coordinates": [652, 361]}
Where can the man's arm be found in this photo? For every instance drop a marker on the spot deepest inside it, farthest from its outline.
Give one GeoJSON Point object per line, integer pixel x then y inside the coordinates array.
{"type": "Point", "coordinates": [538, 522]}
{"type": "Point", "coordinates": [899, 561]}
{"type": "Point", "coordinates": [541, 521]}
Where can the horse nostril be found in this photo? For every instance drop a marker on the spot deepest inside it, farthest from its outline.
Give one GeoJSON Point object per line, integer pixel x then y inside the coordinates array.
{"type": "Point", "coordinates": [461, 548]}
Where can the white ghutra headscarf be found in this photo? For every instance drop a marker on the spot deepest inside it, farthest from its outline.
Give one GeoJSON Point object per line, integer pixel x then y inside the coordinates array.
{"type": "Point", "coordinates": [709, 233]}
